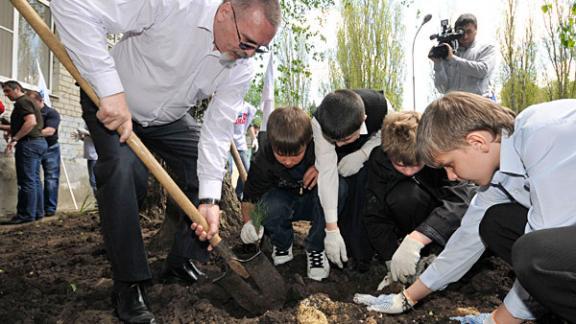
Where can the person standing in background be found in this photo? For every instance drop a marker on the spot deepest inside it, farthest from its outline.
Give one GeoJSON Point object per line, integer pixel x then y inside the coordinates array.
{"type": "Point", "coordinates": [26, 139]}
{"type": "Point", "coordinates": [241, 128]}
{"type": "Point", "coordinates": [50, 160]}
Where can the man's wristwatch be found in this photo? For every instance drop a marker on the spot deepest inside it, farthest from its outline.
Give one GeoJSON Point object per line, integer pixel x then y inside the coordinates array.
{"type": "Point", "coordinates": [209, 201]}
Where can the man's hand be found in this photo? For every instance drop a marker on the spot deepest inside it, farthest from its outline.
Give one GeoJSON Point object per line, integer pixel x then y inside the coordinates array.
{"type": "Point", "coordinates": [450, 52]}
{"type": "Point", "coordinates": [10, 147]}
{"type": "Point", "coordinates": [310, 177]}
{"type": "Point", "coordinates": [249, 235]}
{"type": "Point", "coordinates": [389, 304]}
{"type": "Point", "coordinates": [212, 214]}
{"type": "Point", "coordinates": [114, 114]}
{"type": "Point", "coordinates": [483, 318]}
{"type": "Point", "coordinates": [335, 247]}
{"type": "Point", "coordinates": [76, 136]}
{"type": "Point", "coordinates": [255, 145]}
{"type": "Point", "coordinates": [351, 163]}
{"type": "Point", "coordinates": [434, 59]}
{"type": "Point", "coordinates": [405, 258]}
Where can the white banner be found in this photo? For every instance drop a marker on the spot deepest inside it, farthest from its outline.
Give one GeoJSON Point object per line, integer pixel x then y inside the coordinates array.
{"type": "Point", "coordinates": [42, 88]}
{"type": "Point", "coordinates": [267, 103]}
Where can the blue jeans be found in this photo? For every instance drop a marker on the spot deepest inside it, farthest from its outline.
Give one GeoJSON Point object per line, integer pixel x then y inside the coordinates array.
{"type": "Point", "coordinates": [51, 167]}
{"type": "Point", "coordinates": [246, 162]}
{"type": "Point", "coordinates": [91, 164]}
{"type": "Point", "coordinates": [284, 207]}
{"type": "Point", "coordinates": [28, 156]}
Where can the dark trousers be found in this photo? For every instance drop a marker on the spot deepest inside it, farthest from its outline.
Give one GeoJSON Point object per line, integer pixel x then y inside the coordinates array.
{"type": "Point", "coordinates": [91, 176]}
{"type": "Point", "coordinates": [408, 206]}
{"type": "Point", "coordinates": [122, 180]}
{"type": "Point", "coordinates": [28, 157]}
{"type": "Point", "coordinates": [501, 226]}
{"type": "Point", "coordinates": [350, 221]}
{"type": "Point", "coordinates": [51, 169]}
{"type": "Point", "coordinates": [284, 207]}
{"type": "Point", "coordinates": [545, 263]}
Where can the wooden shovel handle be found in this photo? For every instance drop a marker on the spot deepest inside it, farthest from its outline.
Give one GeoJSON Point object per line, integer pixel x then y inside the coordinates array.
{"type": "Point", "coordinates": [133, 141]}
{"type": "Point", "coordinates": [238, 162]}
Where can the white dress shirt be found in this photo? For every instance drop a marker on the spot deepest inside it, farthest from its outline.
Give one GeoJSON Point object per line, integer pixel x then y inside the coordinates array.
{"type": "Point", "coordinates": [165, 63]}
{"type": "Point", "coordinates": [538, 171]}
{"type": "Point", "coordinates": [470, 70]}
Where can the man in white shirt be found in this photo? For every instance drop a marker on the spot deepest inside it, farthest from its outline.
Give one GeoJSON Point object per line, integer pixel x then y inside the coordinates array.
{"type": "Point", "coordinates": [173, 54]}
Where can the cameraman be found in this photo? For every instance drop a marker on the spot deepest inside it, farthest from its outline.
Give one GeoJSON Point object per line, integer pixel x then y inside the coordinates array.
{"type": "Point", "coordinates": [471, 68]}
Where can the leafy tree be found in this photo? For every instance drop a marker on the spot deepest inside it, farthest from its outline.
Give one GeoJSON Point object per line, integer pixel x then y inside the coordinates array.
{"type": "Point", "coordinates": [518, 71]}
{"type": "Point", "coordinates": [369, 53]}
{"type": "Point", "coordinates": [528, 92]}
{"type": "Point", "coordinates": [297, 43]}
{"type": "Point", "coordinates": [559, 42]}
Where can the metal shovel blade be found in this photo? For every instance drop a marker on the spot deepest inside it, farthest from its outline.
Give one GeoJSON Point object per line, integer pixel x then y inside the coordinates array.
{"type": "Point", "coordinates": [268, 292]}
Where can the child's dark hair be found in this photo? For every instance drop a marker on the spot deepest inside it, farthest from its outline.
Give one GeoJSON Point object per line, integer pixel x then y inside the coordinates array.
{"type": "Point", "coordinates": [340, 114]}
{"type": "Point", "coordinates": [288, 130]}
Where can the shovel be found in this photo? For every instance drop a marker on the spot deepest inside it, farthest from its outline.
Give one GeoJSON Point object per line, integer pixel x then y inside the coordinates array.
{"type": "Point", "coordinates": [256, 262]}
{"type": "Point", "coordinates": [238, 280]}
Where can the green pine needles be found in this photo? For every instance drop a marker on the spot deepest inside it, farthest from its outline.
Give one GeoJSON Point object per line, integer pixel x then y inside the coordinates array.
{"type": "Point", "coordinates": [258, 215]}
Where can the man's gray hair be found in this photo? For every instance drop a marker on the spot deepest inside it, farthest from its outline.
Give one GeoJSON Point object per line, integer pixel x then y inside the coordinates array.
{"type": "Point", "coordinates": [271, 9]}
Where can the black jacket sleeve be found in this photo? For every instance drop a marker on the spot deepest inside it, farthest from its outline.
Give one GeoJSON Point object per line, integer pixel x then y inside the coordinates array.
{"type": "Point", "coordinates": [455, 198]}
{"type": "Point", "coordinates": [379, 223]}
{"type": "Point", "coordinates": [260, 177]}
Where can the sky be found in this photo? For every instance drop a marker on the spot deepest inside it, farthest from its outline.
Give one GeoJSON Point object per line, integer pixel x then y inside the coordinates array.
{"type": "Point", "coordinates": [490, 16]}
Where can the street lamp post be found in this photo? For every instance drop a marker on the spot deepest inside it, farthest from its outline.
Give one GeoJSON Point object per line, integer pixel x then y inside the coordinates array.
{"type": "Point", "coordinates": [426, 19]}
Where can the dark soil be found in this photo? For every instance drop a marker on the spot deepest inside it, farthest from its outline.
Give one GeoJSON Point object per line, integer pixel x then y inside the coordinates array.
{"type": "Point", "coordinates": [55, 271]}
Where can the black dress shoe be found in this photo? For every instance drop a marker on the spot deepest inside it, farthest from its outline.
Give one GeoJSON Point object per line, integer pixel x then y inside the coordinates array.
{"type": "Point", "coordinates": [185, 272]}
{"type": "Point", "coordinates": [131, 305]}
{"type": "Point", "coordinates": [16, 221]}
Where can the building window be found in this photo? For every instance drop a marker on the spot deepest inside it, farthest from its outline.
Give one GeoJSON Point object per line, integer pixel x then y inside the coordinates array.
{"type": "Point", "coordinates": [21, 49]}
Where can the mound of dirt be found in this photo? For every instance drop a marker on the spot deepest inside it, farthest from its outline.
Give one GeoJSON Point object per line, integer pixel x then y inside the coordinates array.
{"type": "Point", "coordinates": [55, 271]}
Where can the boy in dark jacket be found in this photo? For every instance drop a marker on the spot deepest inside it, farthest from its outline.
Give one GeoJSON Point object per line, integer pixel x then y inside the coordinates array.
{"type": "Point", "coordinates": [283, 179]}
{"type": "Point", "coordinates": [409, 200]}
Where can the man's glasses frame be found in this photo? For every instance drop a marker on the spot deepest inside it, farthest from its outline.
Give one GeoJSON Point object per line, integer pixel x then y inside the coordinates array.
{"type": "Point", "coordinates": [243, 45]}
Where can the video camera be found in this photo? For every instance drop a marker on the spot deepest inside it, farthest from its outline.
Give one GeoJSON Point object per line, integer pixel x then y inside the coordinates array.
{"type": "Point", "coordinates": [448, 36]}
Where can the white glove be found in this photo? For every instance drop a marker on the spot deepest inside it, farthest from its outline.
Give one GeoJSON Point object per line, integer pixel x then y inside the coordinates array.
{"type": "Point", "coordinates": [335, 247]}
{"type": "Point", "coordinates": [404, 260]}
{"type": "Point", "coordinates": [255, 145]}
{"type": "Point", "coordinates": [389, 304]}
{"type": "Point", "coordinates": [484, 318]}
{"type": "Point", "coordinates": [248, 235]}
{"type": "Point", "coordinates": [351, 163]}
